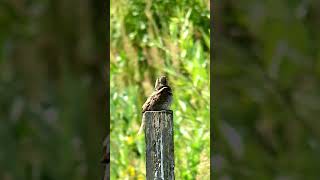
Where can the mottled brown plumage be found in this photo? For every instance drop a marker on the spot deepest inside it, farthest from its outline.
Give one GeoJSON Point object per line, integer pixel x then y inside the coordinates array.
{"type": "Point", "coordinates": [160, 82]}
{"type": "Point", "coordinates": [160, 99]}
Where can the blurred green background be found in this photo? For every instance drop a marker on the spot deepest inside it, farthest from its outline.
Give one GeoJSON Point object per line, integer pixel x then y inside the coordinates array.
{"type": "Point", "coordinates": [266, 90]}
{"type": "Point", "coordinates": [148, 39]}
{"type": "Point", "coordinates": [52, 89]}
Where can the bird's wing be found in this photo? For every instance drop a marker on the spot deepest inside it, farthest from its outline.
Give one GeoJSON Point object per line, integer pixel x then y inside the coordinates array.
{"type": "Point", "coordinates": [150, 101]}
{"type": "Point", "coordinates": [154, 98]}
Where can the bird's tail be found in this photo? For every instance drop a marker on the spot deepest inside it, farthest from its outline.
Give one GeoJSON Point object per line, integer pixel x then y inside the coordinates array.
{"type": "Point", "coordinates": [142, 125]}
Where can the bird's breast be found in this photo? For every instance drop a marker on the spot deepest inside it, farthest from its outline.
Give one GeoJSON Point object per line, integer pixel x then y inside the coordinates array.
{"type": "Point", "coordinates": [167, 103]}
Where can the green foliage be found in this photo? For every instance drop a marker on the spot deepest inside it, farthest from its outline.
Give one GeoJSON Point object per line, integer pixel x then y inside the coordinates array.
{"type": "Point", "coordinates": [52, 118]}
{"type": "Point", "coordinates": [266, 86]}
{"type": "Point", "coordinates": [150, 38]}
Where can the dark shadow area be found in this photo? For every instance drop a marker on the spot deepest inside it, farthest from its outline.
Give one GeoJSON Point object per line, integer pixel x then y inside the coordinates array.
{"type": "Point", "coordinates": [53, 89]}
{"type": "Point", "coordinates": [266, 98]}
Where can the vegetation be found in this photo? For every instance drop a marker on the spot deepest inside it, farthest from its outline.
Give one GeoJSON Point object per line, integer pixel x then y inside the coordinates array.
{"type": "Point", "coordinates": [148, 39]}
{"type": "Point", "coordinates": [52, 90]}
{"type": "Point", "coordinates": [266, 90]}
{"type": "Point", "coordinates": [266, 74]}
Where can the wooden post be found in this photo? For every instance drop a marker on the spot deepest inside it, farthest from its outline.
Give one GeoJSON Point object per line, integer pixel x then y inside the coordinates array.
{"type": "Point", "coordinates": [106, 149]}
{"type": "Point", "coordinates": [107, 172]}
{"type": "Point", "coordinates": [159, 145]}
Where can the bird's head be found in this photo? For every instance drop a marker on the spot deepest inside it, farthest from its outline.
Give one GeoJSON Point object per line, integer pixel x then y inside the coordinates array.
{"type": "Point", "coordinates": [160, 82]}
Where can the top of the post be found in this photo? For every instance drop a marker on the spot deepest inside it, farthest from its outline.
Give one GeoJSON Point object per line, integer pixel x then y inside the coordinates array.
{"type": "Point", "coordinates": [162, 111]}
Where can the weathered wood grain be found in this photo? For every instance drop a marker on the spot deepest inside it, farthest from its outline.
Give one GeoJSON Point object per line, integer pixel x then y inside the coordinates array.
{"type": "Point", "coordinates": [159, 145]}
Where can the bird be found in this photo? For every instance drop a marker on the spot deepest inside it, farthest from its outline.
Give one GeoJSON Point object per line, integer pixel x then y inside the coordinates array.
{"type": "Point", "coordinates": [160, 99]}
{"type": "Point", "coordinates": [160, 82]}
